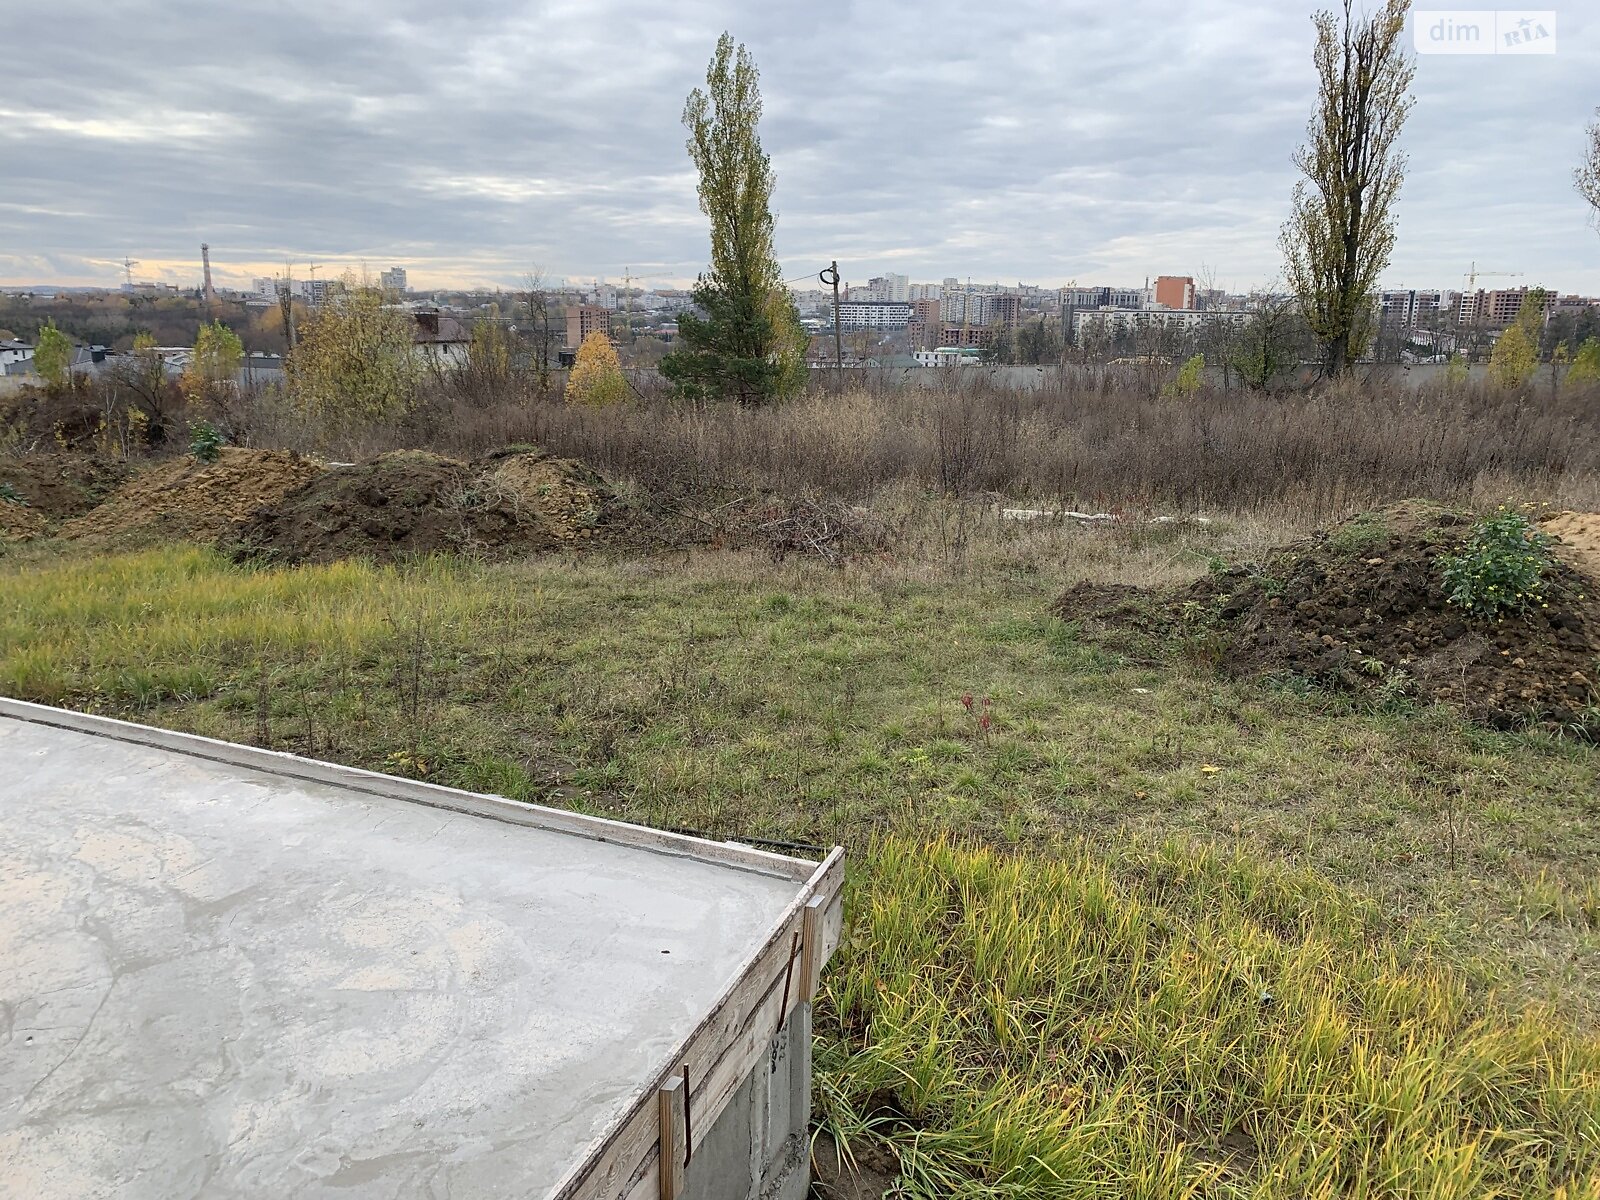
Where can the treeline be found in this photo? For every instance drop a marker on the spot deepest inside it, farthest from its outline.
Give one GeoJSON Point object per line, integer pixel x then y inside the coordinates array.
{"type": "Point", "coordinates": [115, 319]}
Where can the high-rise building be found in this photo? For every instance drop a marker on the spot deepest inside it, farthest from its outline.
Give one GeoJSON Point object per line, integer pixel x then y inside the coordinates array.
{"type": "Point", "coordinates": [896, 289]}
{"type": "Point", "coordinates": [1494, 308]}
{"type": "Point", "coordinates": [1174, 291]}
{"type": "Point", "coordinates": [1411, 307]}
{"type": "Point", "coordinates": [963, 306]}
{"type": "Point", "coordinates": [980, 306]}
{"type": "Point", "coordinates": [393, 280]}
{"type": "Point", "coordinates": [1083, 297]}
{"type": "Point", "coordinates": [925, 326]}
{"type": "Point", "coordinates": [315, 292]}
{"type": "Point", "coordinates": [584, 319]}
{"type": "Point", "coordinates": [873, 314]}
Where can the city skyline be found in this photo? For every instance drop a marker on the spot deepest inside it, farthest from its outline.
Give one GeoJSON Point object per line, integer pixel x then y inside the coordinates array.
{"type": "Point", "coordinates": [1032, 148]}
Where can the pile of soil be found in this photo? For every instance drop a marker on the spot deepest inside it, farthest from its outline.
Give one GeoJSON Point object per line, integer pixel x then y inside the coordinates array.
{"type": "Point", "coordinates": [38, 492]}
{"type": "Point", "coordinates": [1580, 539]}
{"type": "Point", "coordinates": [1362, 606]}
{"type": "Point", "coordinates": [186, 498]}
{"type": "Point", "coordinates": [515, 501]}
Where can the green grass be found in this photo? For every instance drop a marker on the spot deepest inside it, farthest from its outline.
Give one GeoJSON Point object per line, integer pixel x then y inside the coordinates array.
{"type": "Point", "coordinates": [1175, 1023]}
{"type": "Point", "coordinates": [1404, 884]}
{"type": "Point", "coordinates": [1359, 534]}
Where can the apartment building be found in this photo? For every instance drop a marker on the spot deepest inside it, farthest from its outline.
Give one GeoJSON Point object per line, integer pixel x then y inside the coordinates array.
{"type": "Point", "coordinates": [873, 314]}
{"type": "Point", "coordinates": [584, 319]}
{"type": "Point", "coordinates": [1174, 291]}
{"type": "Point", "coordinates": [1117, 320]}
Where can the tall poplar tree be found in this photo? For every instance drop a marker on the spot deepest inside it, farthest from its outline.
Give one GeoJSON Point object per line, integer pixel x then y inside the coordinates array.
{"type": "Point", "coordinates": [1341, 230]}
{"type": "Point", "coordinates": [748, 344]}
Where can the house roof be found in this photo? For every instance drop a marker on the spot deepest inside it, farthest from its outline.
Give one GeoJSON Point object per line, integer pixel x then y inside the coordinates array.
{"type": "Point", "coordinates": [434, 328]}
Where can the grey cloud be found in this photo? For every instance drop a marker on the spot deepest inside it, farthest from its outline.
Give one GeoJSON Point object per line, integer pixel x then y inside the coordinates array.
{"type": "Point", "coordinates": [1010, 141]}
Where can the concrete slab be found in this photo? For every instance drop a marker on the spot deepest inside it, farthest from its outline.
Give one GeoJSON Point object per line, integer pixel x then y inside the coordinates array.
{"type": "Point", "coordinates": [216, 980]}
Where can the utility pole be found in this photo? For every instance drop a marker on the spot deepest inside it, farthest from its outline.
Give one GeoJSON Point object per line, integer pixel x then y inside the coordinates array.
{"type": "Point", "coordinates": [831, 276]}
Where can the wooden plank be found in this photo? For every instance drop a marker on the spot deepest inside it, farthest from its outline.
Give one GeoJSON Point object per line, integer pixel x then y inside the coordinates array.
{"type": "Point", "coordinates": [615, 1156]}
{"type": "Point", "coordinates": [674, 1145]}
{"type": "Point", "coordinates": [811, 945]}
{"type": "Point", "coordinates": [720, 1053]}
{"type": "Point", "coordinates": [497, 808]}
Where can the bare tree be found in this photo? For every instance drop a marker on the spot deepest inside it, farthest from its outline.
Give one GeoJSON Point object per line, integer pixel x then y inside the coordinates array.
{"type": "Point", "coordinates": [1587, 176]}
{"type": "Point", "coordinates": [1264, 346]}
{"type": "Point", "coordinates": [1341, 231]}
{"type": "Point", "coordinates": [539, 327]}
{"type": "Point", "coordinates": [1214, 338]}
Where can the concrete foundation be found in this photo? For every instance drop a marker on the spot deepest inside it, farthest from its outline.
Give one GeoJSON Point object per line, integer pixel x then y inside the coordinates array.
{"type": "Point", "coordinates": [221, 977]}
{"type": "Point", "coordinates": [760, 1147]}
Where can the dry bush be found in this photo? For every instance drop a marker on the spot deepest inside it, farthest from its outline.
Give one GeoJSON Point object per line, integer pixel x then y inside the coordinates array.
{"type": "Point", "coordinates": [1092, 441]}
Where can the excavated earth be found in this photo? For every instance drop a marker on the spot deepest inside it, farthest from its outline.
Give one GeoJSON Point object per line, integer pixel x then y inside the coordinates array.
{"type": "Point", "coordinates": [1362, 606]}
{"type": "Point", "coordinates": [186, 498]}
{"type": "Point", "coordinates": [515, 501]}
{"type": "Point", "coordinates": [38, 492]}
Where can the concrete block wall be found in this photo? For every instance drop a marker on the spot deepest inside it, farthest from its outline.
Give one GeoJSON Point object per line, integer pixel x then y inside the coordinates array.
{"type": "Point", "coordinates": [759, 1149]}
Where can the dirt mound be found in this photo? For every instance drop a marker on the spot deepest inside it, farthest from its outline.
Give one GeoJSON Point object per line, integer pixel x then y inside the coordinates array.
{"type": "Point", "coordinates": [1362, 606]}
{"type": "Point", "coordinates": [1580, 539]}
{"type": "Point", "coordinates": [512, 502]}
{"type": "Point", "coordinates": [190, 499]}
{"type": "Point", "coordinates": [38, 491]}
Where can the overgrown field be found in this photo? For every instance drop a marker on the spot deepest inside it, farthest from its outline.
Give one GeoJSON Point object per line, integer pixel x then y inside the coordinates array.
{"type": "Point", "coordinates": [1119, 927]}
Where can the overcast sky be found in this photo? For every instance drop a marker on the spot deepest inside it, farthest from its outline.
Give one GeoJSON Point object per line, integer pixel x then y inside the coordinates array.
{"type": "Point", "coordinates": [1034, 140]}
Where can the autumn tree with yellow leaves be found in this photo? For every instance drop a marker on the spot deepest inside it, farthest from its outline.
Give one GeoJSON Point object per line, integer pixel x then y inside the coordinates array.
{"type": "Point", "coordinates": [1516, 353]}
{"type": "Point", "coordinates": [214, 361]}
{"type": "Point", "coordinates": [355, 360]}
{"type": "Point", "coordinates": [596, 378]}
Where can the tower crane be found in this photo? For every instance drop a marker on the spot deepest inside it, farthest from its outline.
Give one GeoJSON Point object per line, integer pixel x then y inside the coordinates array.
{"type": "Point", "coordinates": [1472, 275]}
{"type": "Point", "coordinates": [1472, 285]}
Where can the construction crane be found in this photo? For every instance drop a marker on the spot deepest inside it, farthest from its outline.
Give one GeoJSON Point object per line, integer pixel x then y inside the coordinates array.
{"type": "Point", "coordinates": [1472, 286]}
{"type": "Point", "coordinates": [1471, 290]}
{"type": "Point", "coordinates": [1472, 276]}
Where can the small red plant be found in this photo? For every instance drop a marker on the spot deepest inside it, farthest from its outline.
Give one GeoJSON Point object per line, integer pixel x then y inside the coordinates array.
{"type": "Point", "coordinates": [979, 712]}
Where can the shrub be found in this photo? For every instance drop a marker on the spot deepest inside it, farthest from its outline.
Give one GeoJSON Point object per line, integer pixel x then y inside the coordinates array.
{"type": "Point", "coordinates": [596, 377]}
{"type": "Point", "coordinates": [205, 442]}
{"type": "Point", "coordinates": [1516, 353]}
{"type": "Point", "coordinates": [217, 355]}
{"type": "Point", "coordinates": [1586, 363]}
{"type": "Point", "coordinates": [52, 357]}
{"type": "Point", "coordinates": [355, 361]}
{"type": "Point", "coordinates": [1501, 566]}
{"type": "Point", "coordinates": [1190, 377]}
